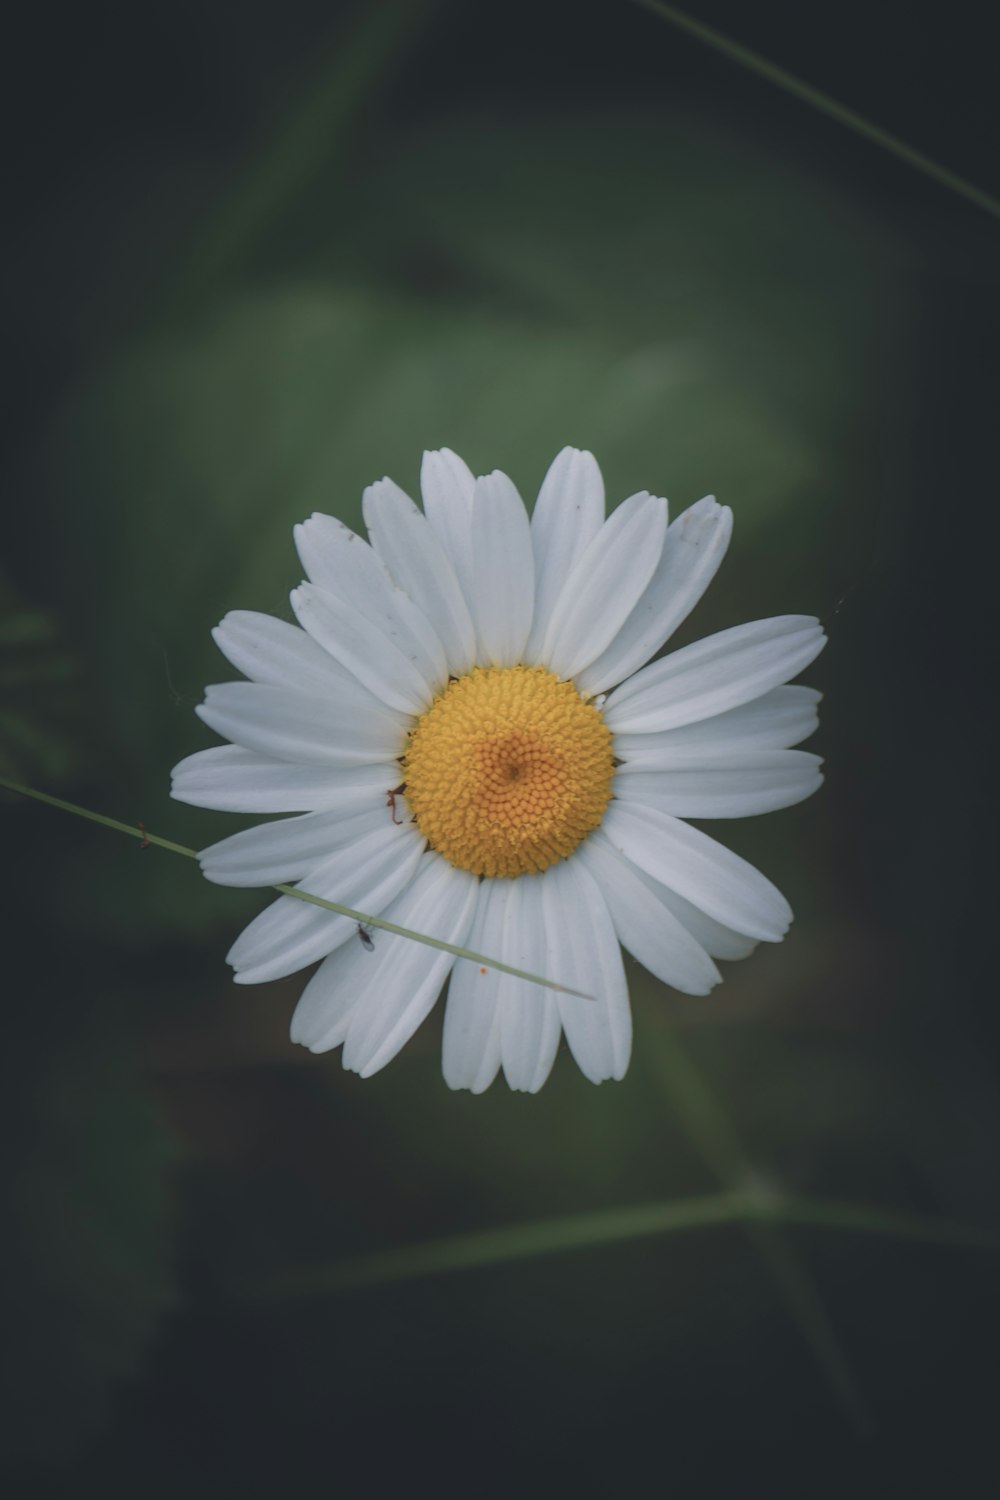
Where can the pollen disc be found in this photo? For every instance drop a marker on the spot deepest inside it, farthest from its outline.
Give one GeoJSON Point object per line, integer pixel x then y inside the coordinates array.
{"type": "Point", "coordinates": [508, 770]}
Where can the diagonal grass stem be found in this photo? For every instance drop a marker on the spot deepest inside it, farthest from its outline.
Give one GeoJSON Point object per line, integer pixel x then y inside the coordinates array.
{"type": "Point", "coordinates": [716, 1140]}
{"type": "Point", "coordinates": [135, 831]}
{"type": "Point", "coordinates": [748, 1208]}
{"type": "Point", "coordinates": [309, 138]}
{"type": "Point", "coordinates": [817, 100]}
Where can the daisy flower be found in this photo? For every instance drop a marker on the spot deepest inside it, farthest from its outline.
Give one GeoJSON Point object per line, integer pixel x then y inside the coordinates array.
{"type": "Point", "coordinates": [464, 718]}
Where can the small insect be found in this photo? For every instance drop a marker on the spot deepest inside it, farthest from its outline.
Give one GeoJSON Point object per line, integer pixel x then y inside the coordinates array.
{"type": "Point", "coordinates": [390, 800]}
{"type": "Point", "coordinates": [144, 844]}
{"type": "Point", "coordinates": [367, 941]}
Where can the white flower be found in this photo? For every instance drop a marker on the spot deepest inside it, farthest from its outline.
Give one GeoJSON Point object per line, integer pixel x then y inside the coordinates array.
{"type": "Point", "coordinates": [466, 722]}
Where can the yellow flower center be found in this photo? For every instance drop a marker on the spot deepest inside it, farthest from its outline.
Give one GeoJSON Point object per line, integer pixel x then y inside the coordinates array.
{"type": "Point", "coordinates": [508, 770]}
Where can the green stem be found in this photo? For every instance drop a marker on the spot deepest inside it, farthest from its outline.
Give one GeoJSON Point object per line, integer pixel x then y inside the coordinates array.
{"type": "Point", "coordinates": [490, 1247]}
{"type": "Point", "coordinates": [307, 140]}
{"type": "Point", "coordinates": [705, 1123]}
{"type": "Point", "coordinates": [750, 1208]}
{"type": "Point", "coordinates": [859, 1218]}
{"type": "Point", "coordinates": [715, 1138]}
{"type": "Point", "coordinates": [822, 102]}
{"type": "Point", "coordinates": [138, 831]}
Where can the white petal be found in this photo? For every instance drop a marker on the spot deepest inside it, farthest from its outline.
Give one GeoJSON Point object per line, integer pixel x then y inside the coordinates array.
{"type": "Point", "coordinates": [352, 730]}
{"type": "Point", "coordinates": [447, 486]}
{"type": "Point", "coordinates": [567, 516]}
{"type": "Point", "coordinates": [380, 663]}
{"type": "Point", "coordinates": [748, 785]}
{"type": "Point", "coordinates": [417, 561]}
{"type": "Point", "coordinates": [335, 558]}
{"type": "Point", "coordinates": [470, 1056]}
{"type": "Point", "coordinates": [529, 1016]}
{"type": "Point", "coordinates": [585, 954]}
{"type": "Point", "coordinates": [290, 933]}
{"type": "Point", "coordinates": [503, 570]}
{"type": "Point", "coordinates": [716, 939]}
{"type": "Point", "coordinates": [698, 868]}
{"type": "Point", "coordinates": [604, 585]}
{"type": "Point", "coordinates": [341, 563]}
{"type": "Point", "coordinates": [232, 779]}
{"type": "Point", "coordinates": [269, 650]}
{"type": "Point", "coordinates": [694, 547]}
{"type": "Point", "coordinates": [406, 977]}
{"type": "Point", "coordinates": [782, 717]}
{"type": "Point", "coordinates": [715, 674]}
{"type": "Point", "coordinates": [645, 925]}
{"type": "Point", "coordinates": [329, 1000]}
{"type": "Point", "coordinates": [283, 852]}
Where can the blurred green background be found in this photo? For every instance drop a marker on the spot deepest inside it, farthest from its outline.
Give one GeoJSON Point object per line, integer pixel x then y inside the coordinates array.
{"type": "Point", "coordinates": [258, 257]}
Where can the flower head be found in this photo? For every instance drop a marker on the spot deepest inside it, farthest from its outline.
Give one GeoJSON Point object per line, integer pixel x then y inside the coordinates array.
{"type": "Point", "coordinates": [464, 718]}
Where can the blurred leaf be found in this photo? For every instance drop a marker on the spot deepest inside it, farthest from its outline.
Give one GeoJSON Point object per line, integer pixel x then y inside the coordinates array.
{"type": "Point", "coordinates": [659, 227]}
{"type": "Point", "coordinates": [696, 312]}
{"type": "Point", "coordinates": [41, 694]}
{"type": "Point", "coordinates": [89, 1271]}
{"type": "Point", "coordinates": [182, 471]}
{"type": "Point", "coordinates": [304, 144]}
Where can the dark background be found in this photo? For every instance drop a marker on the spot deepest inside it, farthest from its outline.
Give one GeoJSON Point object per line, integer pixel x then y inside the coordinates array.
{"type": "Point", "coordinates": [253, 262]}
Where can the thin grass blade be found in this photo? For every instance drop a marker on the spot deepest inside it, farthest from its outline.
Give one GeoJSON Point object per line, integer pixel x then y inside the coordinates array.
{"type": "Point", "coordinates": [817, 100]}
{"type": "Point", "coordinates": [717, 1141]}
{"type": "Point", "coordinates": [139, 831]}
{"type": "Point", "coordinates": [491, 1247]}
{"type": "Point", "coordinates": [312, 134]}
{"type": "Point", "coordinates": [752, 1208]}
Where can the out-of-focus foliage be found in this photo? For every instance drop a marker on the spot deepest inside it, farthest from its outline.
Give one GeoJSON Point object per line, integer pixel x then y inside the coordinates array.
{"type": "Point", "coordinates": [39, 694]}
{"type": "Point", "coordinates": [705, 316]}
{"type": "Point", "coordinates": [473, 297]}
{"type": "Point", "coordinates": [90, 1272]}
